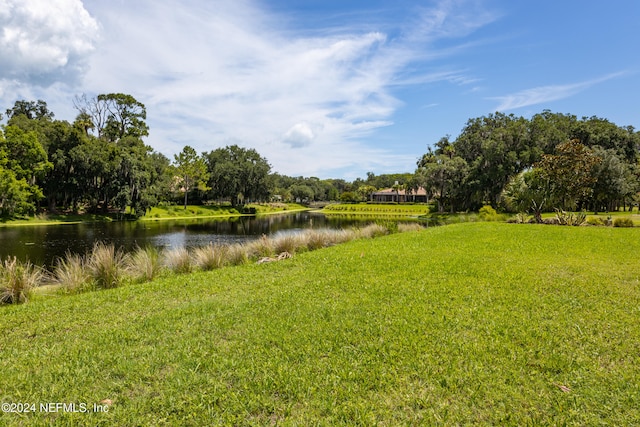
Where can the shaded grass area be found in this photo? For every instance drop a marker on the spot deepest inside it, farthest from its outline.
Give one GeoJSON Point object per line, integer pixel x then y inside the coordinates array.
{"type": "Point", "coordinates": [476, 323]}
{"type": "Point", "coordinates": [53, 219]}
{"type": "Point", "coordinates": [203, 211]}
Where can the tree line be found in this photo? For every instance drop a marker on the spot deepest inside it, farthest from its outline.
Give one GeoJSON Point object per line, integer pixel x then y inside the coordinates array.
{"type": "Point", "coordinates": [100, 163]}
{"type": "Point", "coordinates": [550, 161]}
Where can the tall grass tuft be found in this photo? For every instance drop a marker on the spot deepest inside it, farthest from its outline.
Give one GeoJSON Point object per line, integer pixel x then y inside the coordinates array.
{"type": "Point", "coordinates": [178, 260]}
{"type": "Point", "coordinates": [210, 257]}
{"type": "Point", "coordinates": [145, 264]}
{"type": "Point", "coordinates": [17, 280]}
{"type": "Point", "coordinates": [71, 274]}
{"type": "Point", "coordinates": [317, 239]}
{"type": "Point", "coordinates": [263, 247]}
{"type": "Point", "coordinates": [237, 254]}
{"type": "Point", "coordinates": [107, 266]}
{"type": "Point", "coordinates": [371, 231]}
{"type": "Point", "coordinates": [409, 227]}
{"type": "Point", "coordinates": [290, 242]}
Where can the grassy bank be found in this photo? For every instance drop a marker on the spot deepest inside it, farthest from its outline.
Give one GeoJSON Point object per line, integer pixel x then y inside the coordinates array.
{"type": "Point", "coordinates": [213, 211]}
{"type": "Point", "coordinates": [382, 209]}
{"type": "Point", "coordinates": [477, 323]}
{"type": "Point", "coordinates": [156, 213]}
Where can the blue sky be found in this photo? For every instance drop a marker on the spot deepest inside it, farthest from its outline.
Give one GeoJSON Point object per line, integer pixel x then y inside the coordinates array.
{"type": "Point", "coordinates": [325, 88]}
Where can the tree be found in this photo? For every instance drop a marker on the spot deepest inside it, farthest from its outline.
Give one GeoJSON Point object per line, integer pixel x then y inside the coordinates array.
{"type": "Point", "coordinates": [237, 174]}
{"type": "Point", "coordinates": [191, 171]}
{"type": "Point", "coordinates": [568, 173]}
{"type": "Point", "coordinates": [444, 178]}
{"type": "Point", "coordinates": [527, 192]}
{"type": "Point", "coordinates": [495, 148]}
{"type": "Point", "coordinates": [364, 192]}
{"type": "Point", "coordinates": [31, 110]}
{"type": "Point", "coordinates": [113, 116]}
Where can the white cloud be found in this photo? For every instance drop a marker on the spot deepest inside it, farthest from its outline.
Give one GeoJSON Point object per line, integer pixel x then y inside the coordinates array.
{"type": "Point", "coordinates": [545, 94]}
{"type": "Point", "coordinates": [44, 41]}
{"type": "Point", "coordinates": [231, 71]}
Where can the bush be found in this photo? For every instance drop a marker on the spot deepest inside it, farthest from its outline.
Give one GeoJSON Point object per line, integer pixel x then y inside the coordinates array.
{"type": "Point", "coordinates": [487, 213]}
{"type": "Point", "coordinates": [594, 220]}
{"type": "Point", "coordinates": [622, 222]}
{"type": "Point", "coordinates": [570, 218]}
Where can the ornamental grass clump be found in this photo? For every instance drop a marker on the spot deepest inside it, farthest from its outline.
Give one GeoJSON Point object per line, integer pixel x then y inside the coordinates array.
{"type": "Point", "coordinates": [107, 266]}
{"type": "Point", "coordinates": [71, 274]}
{"type": "Point", "coordinates": [145, 264]}
{"type": "Point", "coordinates": [290, 242]}
{"type": "Point", "coordinates": [262, 247]}
{"type": "Point", "coordinates": [17, 280]}
{"type": "Point", "coordinates": [371, 231]}
{"type": "Point", "coordinates": [210, 257]}
{"type": "Point", "coordinates": [178, 260]}
{"type": "Point", "coordinates": [409, 227]}
{"type": "Point", "coordinates": [317, 239]}
{"type": "Point", "coordinates": [236, 254]}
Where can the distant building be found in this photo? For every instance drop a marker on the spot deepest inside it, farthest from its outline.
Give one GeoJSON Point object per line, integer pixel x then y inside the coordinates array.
{"type": "Point", "coordinates": [390, 195]}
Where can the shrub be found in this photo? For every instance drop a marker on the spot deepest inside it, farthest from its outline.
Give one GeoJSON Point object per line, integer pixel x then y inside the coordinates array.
{"type": "Point", "coordinates": [570, 218]}
{"type": "Point", "coordinates": [178, 260]}
{"type": "Point", "coordinates": [487, 213]}
{"type": "Point", "coordinates": [107, 266]}
{"type": "Point", "coordinates": [623, 222]}
{"type": "Point", "coordinates": [144, 264]}
{"type": "Point", "coordinates": [17, 280]}
{"type": "Point", "coordinates": [594, 220]}
{"type": "Point", "coordinates": [71, 274]}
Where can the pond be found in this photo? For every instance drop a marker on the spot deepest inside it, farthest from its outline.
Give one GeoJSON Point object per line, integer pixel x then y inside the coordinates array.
{"type": "Point", "coordinates": [42, 245]}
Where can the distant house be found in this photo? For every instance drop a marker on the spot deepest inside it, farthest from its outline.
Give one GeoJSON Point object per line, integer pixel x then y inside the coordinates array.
{"type": "Point", "coordinates": [390, 195]}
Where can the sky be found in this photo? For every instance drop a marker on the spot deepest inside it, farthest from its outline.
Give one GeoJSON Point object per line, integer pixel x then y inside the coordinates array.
{"type": "Point", "coordinates": [324, 88]}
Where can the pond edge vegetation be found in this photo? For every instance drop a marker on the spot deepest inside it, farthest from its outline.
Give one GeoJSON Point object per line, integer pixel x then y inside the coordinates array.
{"type": "Point", "coordinates": [110, 267]}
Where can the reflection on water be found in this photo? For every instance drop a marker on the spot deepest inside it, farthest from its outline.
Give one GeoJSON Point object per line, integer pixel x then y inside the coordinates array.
{"type": "Point", "coordinates": [43, 244]}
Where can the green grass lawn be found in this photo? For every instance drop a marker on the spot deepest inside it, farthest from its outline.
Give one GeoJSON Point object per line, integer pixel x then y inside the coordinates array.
{"type": "Point", "coordinates": [205, 211]}
{"type": "Point", "coordinates": [468, 324]}
{"type": "Point", "coordinates": [380, 209]}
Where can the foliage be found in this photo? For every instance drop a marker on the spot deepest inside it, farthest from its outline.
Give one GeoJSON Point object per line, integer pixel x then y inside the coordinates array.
{"type": "Point", "coordinates": [623, 222]}
{"type": "Point", "coordinates": [568, 173]}
{"type": "Point", "coordinates": [570, 218]}
{"type": "Point", "coordinates": [191, 171]}
{"type": "Point", "coordinates": [443, 176]}
{"type": "Point", "coordinates": [237, 174]}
